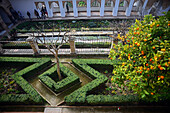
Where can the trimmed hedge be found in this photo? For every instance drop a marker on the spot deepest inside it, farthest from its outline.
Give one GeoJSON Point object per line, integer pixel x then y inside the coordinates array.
{"type": "Point", "coordinates": [59, 86]}
{"type": "Point", "coordinates": [17, 98]}
{"type": "Point", "coordinates": [81, 95]}
{"type": "Point", "coordinates": [108, 99]}
{"type": "Point", "coordinates": [32, 95]}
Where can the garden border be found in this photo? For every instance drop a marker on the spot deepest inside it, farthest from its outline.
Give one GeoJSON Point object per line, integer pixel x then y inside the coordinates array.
{"type": "Point", "coordinates": [31, 94]}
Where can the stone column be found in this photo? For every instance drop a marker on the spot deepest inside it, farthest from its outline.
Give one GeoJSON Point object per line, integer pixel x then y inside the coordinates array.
{"type": "Point", "coordinates": [75, 8]}
{"type": "Point", "coordinates": [102, 8]}
{"type": "Point", "coordinates": [48, 8]}
{"type": "Point", "coordinates": [129, 9]}
{"type": "Point", "coordinates": [88, 7]}
{"type": "Point", "coordinates": [115, 9]}
{"type": "Point", "coordinates": [33, 45]}
{"type": "Point", "coordinates": [72, 45]}
{"type": "Point", "coordinates": [62, 10]}
{"type": "Point", "coordinates": [144, 6]}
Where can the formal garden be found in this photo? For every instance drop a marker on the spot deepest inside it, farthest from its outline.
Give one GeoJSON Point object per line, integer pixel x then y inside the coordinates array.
{"type": "Point", "coordinates": [136, 71]}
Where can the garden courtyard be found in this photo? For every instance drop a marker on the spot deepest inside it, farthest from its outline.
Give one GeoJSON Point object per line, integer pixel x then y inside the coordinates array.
{"type": "Point", "coordinates": [63, 66]}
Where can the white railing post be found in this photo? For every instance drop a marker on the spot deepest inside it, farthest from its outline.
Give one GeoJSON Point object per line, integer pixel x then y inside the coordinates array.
{"type": "Point", "coordinates": [102, 8]}
{"type": "Point", "coordinates": [75, 8]}
{"type": "Point", "coordinates": [62, 10]}
{"type": "Point", "coordinates": [115, 9]}
{"type": "Point", "coordinates": [129, 9]}
{"type": "Point", "coordinates": [88, 7]}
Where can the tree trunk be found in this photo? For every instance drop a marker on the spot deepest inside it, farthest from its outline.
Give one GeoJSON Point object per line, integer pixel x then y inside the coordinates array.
{"type": "Point", "coordinates": [58, 65]}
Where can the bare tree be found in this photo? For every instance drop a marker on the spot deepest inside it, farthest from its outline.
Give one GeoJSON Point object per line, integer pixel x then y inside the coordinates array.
{"type": "Point", "coordinates": [54, 43]}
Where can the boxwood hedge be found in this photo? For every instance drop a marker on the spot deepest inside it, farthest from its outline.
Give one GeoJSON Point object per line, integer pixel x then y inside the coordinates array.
{"type": "Point", "coordinates": [31, 94]}
{"type": "Point", "coordinates": [59, 86]}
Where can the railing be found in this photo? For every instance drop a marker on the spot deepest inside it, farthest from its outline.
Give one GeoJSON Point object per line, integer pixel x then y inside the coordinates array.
{"type": "Point", "coordinates": [79, 44]}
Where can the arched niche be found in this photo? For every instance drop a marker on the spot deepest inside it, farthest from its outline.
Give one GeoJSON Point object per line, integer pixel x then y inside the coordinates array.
{"type": "Point", "coordinates": [81, 3]}
{"type": "Point", "coordinates": [95, 3]}
{"type": "Point", "coordinates": [109, 3]}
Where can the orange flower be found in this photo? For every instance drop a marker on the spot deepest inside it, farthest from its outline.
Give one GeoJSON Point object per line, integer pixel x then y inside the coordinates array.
{"type": "Point", "coordinates": [162, 77]}
{"type": "Point", "coordinates": [138, 33]}
{"type": "Point", "coordinates": [157, 25]}
{"type": "Point", "coordinates": [148, 69]}
{"type": "Point", "coordinates": [111, 58]}
{"type": "Point", "coordinates": [168, 62]}
{"type": "Point", "coordinates": [135, 84]}
{"type": "Point", "coordinates": [138, 44]}
{"type": "Point", "coordinates": [135, 33]}
{"type": "Point", "coordinates": [111, 79]}
{"type": "Point", "coordinates": [151, 67]}
{"type": "Point", "coordinates": [134, 61]}
{"type": "Point", "coordinates": [125, 36]}
{"type": "Point", "coordinates": [129, 78]}
{"type": "Point", "coordinates": [130, 45]}
{"type": "Point", "coordinates": [153, 47]}
{"type": "Point", "coordinates": [152, 93]}
{"type": "Point", "coordinates": [137, 28]}
{"type": "Point", "coordinates": [132, 37]}
{"type": "Point", "coordinates": [145, 40]}
{"type": "Point", "coordinates": [168, 24]}
{"type": "Point", "coordinates": [129, 54]}
{"type": "Point", "coordinates": [128, 40]}
{"type": "Point", "coordinates": [147, 64]}
{"type": "Point", "coordinates": [144, 56]}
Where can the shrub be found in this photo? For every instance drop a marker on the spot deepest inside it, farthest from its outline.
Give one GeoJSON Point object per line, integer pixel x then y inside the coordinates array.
{"type": "Point", "coordinates": [145, 58]}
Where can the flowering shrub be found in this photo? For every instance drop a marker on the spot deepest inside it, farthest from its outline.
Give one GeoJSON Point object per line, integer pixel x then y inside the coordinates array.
{"type": "Point", "coordinates": [145, 58]}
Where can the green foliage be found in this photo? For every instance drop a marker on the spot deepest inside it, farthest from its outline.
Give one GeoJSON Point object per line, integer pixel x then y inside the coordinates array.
{"type": "Point", "coordinates": [59, 86]}
{"type": "Point", "coordinates": [145, 57]}
{"type": "Point", "coordinates": [18, 77]}
{"type": "Point", "coordinates": [79, 96]}
{"type": "Point", "coordinates": [108, 99]}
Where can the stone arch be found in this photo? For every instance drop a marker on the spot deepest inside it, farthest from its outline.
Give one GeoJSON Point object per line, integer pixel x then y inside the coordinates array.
{"type": "Point", "coordinates": [95, 3]}
{"type": "Point", "coordinates": [70, 4]}
{"type": "Point", "coordinates": [54, 5]}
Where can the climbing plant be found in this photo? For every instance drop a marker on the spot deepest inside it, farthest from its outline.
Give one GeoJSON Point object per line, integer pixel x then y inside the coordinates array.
{"type": "Point", "coordinates": [146, 58]}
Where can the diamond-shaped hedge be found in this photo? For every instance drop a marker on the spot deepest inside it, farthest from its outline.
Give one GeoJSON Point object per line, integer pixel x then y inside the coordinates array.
{"type": "Point", "coordinates": [83, 96]}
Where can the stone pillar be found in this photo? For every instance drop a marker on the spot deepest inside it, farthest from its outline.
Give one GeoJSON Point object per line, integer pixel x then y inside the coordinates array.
{"type": "Point", "coordinates": [62, 10]}
{"type": "Point", "coordinates": [102, 8]}
{"type": "Point", "coordinates": [115, 9]}
{"type": "Point", "coordinates": [144, 6]}
{"type": "Point", "coordinates": [88, 7]}
{"type": "Point", "coordinates": [1, 49]}
{"type": "Point", "coordinates": [75, 8]}
{"type": "Point", "coordinates": [48, 8]}
{"type": "Point", "coordinates": [34, 45]}
{"type": "Point", "coordinates": [129, 9]}
{"type": "Point", "coordinates": [72, 45]}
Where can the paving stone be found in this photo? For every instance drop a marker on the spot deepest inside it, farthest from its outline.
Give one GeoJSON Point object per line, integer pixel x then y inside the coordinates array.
{"type": "Point", "coordinates": [53, 110]}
